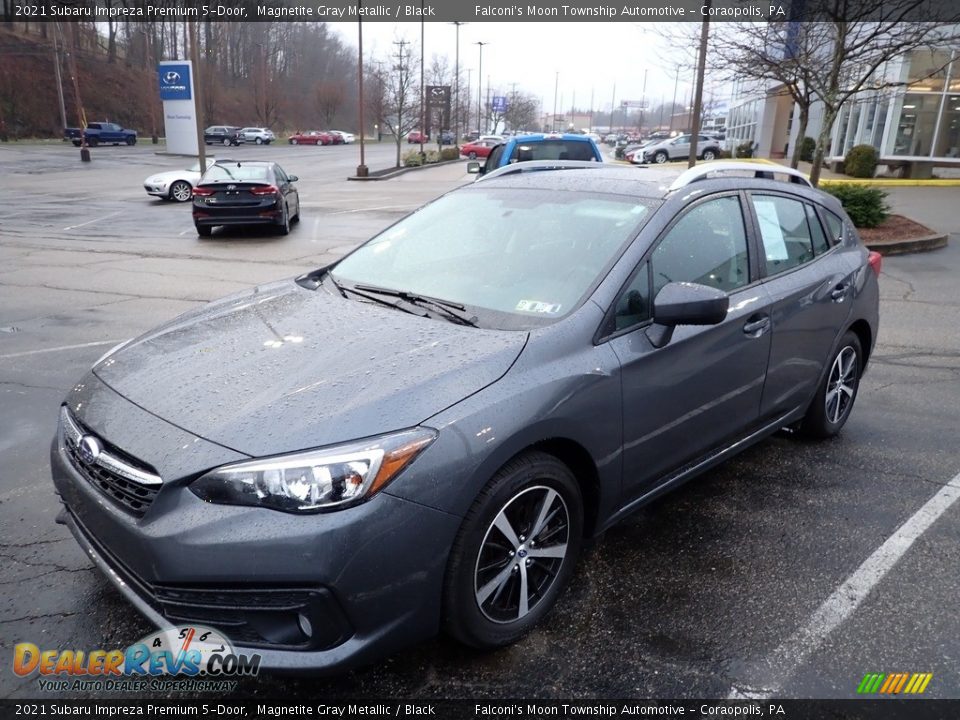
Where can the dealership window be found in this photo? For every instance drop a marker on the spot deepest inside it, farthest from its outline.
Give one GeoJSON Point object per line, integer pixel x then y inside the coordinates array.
{"type": "Point", "coordinates": [928, 69]}
{"type": "Point", "coordinates": [916, 124]}
{"type": "Point", "coordinates": [948, 139]}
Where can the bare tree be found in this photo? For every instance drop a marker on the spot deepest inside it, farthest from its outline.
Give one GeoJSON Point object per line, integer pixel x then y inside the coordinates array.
{"type": "Point", "coordinates": [522, 111]}
{"type": "Point", "coordinates": [401, 93]}
{"type": "Point", "coordinates": [329, 96]}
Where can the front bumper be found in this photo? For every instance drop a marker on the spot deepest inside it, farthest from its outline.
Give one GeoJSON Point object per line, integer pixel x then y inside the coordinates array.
{"type": "Point", "coordinates": [156, 189]}
{"type": "Point", "coordinates": [367, 579]}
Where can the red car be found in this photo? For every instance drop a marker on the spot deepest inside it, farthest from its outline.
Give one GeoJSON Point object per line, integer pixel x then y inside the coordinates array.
{"type": "Point", "coordinates": [311, 137]}
{"type": "Point", "coordinates": [480, 148]}
{"type": "Point", "coordinates": [415, 136]}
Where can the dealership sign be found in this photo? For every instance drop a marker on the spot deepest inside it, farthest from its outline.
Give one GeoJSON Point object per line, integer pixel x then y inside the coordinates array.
{"type": "Point", "coordinates": [174, 81]}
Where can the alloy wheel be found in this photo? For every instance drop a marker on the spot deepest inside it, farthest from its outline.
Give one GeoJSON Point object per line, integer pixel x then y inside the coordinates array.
{"type": "Point", "coordinates": [841, 384]}
{"type": "Point", "coordinates": [521, 554]}
{"type": "Point", "coordinates": [181, 191]}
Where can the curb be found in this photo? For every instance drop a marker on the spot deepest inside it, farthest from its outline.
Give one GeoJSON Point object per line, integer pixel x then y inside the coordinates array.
{"type": "Point", "coordinates": [911, 245]}
{"type": "Point", "coordinates": [891, 182]}
{"type": "Point", "coordinates": [401, 171]}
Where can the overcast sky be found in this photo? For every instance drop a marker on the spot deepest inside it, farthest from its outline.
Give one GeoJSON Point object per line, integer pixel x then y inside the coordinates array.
{"type": "Point", "coordinates": [591, 57]}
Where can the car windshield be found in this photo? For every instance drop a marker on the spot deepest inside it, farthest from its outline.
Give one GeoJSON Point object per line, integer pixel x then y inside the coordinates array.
{"type": "Point", "coordinates": [237, 173]}
{"type": "Point", "coordinates": [517, 258]}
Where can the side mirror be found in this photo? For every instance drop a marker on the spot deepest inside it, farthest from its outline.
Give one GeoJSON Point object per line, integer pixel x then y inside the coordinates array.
{"type": "Point", "coordinates": [473, 167]}
{"type": "Point", "coordinates": [292, 178]}
{"type": "Point", "coordinates": [682, 303]}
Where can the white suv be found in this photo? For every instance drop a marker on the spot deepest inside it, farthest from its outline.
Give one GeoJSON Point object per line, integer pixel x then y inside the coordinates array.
{"type": "Point", "coordinates": [258, 135]}
{"type": "Point", "coordinates": [678, 148]}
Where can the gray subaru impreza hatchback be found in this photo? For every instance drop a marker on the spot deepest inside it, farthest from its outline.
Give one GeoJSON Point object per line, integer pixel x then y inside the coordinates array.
{"type": "Point", "coordinates": [420, 436]}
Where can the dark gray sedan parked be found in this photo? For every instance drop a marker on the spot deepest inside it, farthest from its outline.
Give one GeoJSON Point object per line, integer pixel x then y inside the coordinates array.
{"type": "Point", "coordinates": [421, 435]}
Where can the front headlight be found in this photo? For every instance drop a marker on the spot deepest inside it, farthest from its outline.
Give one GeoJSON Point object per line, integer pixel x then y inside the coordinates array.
{"type": "Point", "coordinates": [315, 480]}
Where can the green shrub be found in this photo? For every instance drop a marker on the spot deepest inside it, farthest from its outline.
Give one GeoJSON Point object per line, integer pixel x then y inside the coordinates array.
{"type": "Point", "coordinates": [807, 148]}
{"type": "Point", "coordinates": [866, 205]}
{"type": "Point", "coordinates": [450, 153]}
{"type": "Point", "coordinates": [412, 159]}
{"type": "Point", "coordinates": [433, 156]}
{"type": "Point", "coordinates": [745, 149]}
{"type": "Point", "coordinates": [861, 161]}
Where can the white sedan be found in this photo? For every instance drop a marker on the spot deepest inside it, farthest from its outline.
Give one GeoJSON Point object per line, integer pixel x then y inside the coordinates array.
{"type": "Point", "coordinates": [175, 185]}
{"type": "Point", "coordinates": [347, 137]}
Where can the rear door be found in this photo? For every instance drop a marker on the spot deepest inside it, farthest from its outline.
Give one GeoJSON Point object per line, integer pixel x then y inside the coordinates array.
{"type": "Point", "coordinates": [810, 283]}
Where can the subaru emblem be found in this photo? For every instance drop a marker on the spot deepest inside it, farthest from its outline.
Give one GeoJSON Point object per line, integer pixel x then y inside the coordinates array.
{"type": "Point", "coordinates": [89, 449]}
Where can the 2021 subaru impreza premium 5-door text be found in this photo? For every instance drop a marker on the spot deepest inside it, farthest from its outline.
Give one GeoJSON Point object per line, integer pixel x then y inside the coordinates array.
{"type": "Point", "coordinates": [420, 436]}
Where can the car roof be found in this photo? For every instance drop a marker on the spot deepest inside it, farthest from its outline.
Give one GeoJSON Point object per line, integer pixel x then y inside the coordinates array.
{"type": "Point", "coordinates": [536, 137]}
{"type": "Point", "coordinates": [653, 182]}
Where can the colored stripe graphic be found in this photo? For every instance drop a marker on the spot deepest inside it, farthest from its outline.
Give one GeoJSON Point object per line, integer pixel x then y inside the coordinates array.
{"type": "Point", "coordinates": [894, 683]}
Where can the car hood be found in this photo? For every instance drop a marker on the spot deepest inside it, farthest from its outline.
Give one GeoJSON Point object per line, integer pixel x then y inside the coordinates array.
{"type": "Point", "coordinates": [168, 177]}
{"type": "Point", "coordinates": [283, 368]}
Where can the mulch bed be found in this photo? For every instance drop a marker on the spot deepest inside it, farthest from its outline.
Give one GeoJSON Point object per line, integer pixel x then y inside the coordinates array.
{"type": "Point", "coordinates": [895, 228]}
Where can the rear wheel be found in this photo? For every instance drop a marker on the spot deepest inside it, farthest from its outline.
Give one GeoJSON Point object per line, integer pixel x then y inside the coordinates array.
{"type": "Point", "coordinates": [181, 191]}
{"type": "Point", "coordinates": [226, 142]}
{"type": "Point", "coordinates": [204, 230]}
{"type": "Point", "coordinates": [514, 553]}
{"type": "Point", "coordinates": [834, 399]}
{"type": "Point", "coordinates": [258, 141]}
{"type": "Point", "coordinates": [472, 156]}
{"type": "Point", "coordinates": [709, 155]}
{"type": "Point", "coordinates": [284, 227]}
{"type": "Point", "coordinates": [93, 142]}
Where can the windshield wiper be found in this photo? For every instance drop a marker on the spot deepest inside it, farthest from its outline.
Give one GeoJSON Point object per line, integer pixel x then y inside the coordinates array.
{"type": "Point", "coordinates": [372, 298]}
{"type": "Point", "coordinates": [446, 307]}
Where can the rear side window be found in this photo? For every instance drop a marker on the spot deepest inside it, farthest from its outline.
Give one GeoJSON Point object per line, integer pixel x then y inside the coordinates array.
{"type": "Point", "coordinates": [552, 150]}
{"type": "Point", "coordinates": [834, 227]}
{"type": "Point", "coordinates": [820, 244]}
{"type": "Point", "coordinates": [785, 230]}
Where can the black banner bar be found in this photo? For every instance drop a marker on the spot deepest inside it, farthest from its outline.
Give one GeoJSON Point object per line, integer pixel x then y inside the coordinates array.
{"type": "Point", "coordinates": [474, 11]}
{"type": "Point", "coordinates": [892, 708]}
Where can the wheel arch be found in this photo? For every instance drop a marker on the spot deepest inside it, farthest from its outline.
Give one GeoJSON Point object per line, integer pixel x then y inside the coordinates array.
{"type": "Point", "coordinates": [864, 333]}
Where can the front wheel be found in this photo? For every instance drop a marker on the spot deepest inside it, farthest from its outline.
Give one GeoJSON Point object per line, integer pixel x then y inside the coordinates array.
{"type": "Point", "coordinates": [661, 157]}
{"type": "Point", "coordinates": [834, 399]}
{"type": "Point", "coordinates": [293, 141]}
{"type": "Point", "coordinates": [514, 553]}
{"type": "Point", "coordinates": [472, 156]}
{"type": "Point", "coordinates": [181, 191]}
{"type": "Point", "coordinates": [131, 141]}
{"type": "Point", "coordinates": [226, 142]}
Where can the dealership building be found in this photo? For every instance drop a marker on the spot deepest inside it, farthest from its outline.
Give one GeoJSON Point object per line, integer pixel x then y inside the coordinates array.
{"type": "Point", "coordinates": [915, 127]}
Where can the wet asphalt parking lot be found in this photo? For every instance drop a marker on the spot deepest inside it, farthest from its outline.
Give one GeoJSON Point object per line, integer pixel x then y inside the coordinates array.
{"type": "Point", "coordinates": [774, 572]}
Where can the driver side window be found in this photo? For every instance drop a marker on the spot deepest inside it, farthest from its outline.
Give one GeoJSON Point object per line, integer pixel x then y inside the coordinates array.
{"type": "Point", "coordinates": [708, 245]}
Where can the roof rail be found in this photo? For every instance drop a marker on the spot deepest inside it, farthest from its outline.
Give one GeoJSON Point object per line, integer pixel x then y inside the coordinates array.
{"type": "Point", "coordinates": [759, 170]}
{"type": "Point", "coordinates": [534, 165]}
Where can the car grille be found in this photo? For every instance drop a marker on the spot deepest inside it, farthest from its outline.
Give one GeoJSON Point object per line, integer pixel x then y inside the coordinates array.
{"type": "Point", "coordinates": [128, 483]}
{"type": "Point", "coordinates": [259, 617]}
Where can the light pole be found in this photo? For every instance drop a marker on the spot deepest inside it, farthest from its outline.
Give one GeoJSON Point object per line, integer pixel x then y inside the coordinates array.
{"type": "Point", "coordinates": [480, 86]}
{"type": "Point", "coordinates": [643, 99]}
{"type": "Point", "coordinates": [423, 128]}
{"type": "Point", "coordinates": [556, 87]}
{"type": "Point", "coordinates": [456, 83]}
{"type": "Point", "coordinates": [362, 169]}
{"type": "Point", "coordinates": [673, 105]}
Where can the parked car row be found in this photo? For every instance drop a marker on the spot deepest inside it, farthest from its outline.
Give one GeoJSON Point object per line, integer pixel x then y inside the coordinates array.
{"type": "Point", "coordinates": [231, 135]}
{"type": "Point", "coordinates": [321, 137]}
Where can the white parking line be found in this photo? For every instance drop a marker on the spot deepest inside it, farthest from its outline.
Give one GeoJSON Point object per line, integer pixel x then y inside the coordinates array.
{"type": "Point", "coordinates": [90, 222]}
{"type": "Point", "coordinates": [765, 678]}
{"type": "Point", "coordinates": [58, 349]}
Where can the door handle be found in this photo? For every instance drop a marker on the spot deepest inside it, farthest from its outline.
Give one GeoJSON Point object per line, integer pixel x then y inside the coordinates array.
{"type": "Point", "coordinates": [756, 326]}
{"type": "Point", "coordinates": [840, 292]}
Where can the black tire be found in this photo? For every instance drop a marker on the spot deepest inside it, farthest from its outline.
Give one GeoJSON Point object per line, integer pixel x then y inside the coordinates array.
{"type": "Point", "coordinates": [284, 227]}
{"type": "Point", "coordinates": [834, 399]}
{"type": "Point", "coordinates": [709, 155]}
{"type": "Point", "coordinates": [296, 218]}
{"type": "Point", "coordinates": [180, 191]}
{"type": "Point", "coordinates": [131, 141]}
{"type": "Point", "coordinates": [76, 143]}
{"type": "Point", "coordinates": [204, 230]}
{"type": "Point", "coordinates": [93, 142]}
{"type": "Point", "coordinates": [226, 142]}
{"type": "Point", "coordinates": [484, 562]}
{"type": "Point", "coordinates": [258, 141]}
{"type": "Point", "coordinates": [293, 141]}
{"type": "Point", "coordinates": [660, 157]}
{"type": "Point", "coordinates": [472, 156]}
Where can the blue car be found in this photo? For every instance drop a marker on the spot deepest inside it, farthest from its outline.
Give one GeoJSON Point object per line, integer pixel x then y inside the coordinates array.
{"type": "Point", "coordinates": [540, 146]}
